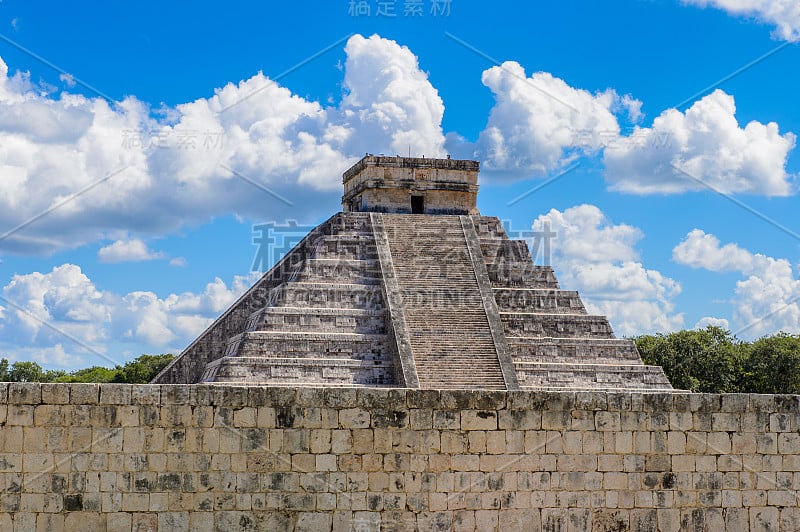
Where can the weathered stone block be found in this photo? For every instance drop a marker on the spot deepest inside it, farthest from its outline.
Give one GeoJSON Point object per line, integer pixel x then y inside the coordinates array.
{"type": "Point", "coordinates": [735, 402]}
{"type": "Point", "coordinates": [29, 393]}
{"type": "Point", "coordinates": [84, 394]}
{"type": "Point", "coordinates": [724, 421]}
{"type": "Point", "coordinates": [718, 443]}
{"type": "Point", "coordinates": [607, 421]}
{"type": "Point", "coordinates": [55, 393]}
{"type": "Point", "coordinates": [519, 420]}
{"type": "Point", "coordinates": [20, 415]}
{"type": "Point", "coordinates": [116, 394]}
{"type": "Point", "coordinates": [354, 418]}
{"type": "Point", "coordinates": [478, 420]}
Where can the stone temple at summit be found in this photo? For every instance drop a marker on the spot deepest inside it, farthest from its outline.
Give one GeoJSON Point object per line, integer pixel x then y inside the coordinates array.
{"type": "Point", "coordinates": [411, 287]}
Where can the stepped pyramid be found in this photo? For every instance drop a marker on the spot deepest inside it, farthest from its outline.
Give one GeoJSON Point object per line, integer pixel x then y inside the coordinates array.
{"type": "Point", "coordinates": [411, 287]}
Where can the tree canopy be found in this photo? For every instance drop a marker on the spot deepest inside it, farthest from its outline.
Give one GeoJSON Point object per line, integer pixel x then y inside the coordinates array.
{"type": "Point", "coordinates": [713, 360]}
{"type": "Point", "coordinates": [138, 371]}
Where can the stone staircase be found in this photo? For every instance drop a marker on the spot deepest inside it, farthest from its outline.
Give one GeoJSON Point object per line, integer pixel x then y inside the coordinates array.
{"type": "Point", "coordinates": [325, 324]}
{"type": "Point", "coordinates": [553, 342]}
{"type": "Point", "coordinates": [449, 333]}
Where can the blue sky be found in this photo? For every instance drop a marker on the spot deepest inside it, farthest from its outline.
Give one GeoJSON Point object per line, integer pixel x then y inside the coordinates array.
{"type": "Point", "coordinates": [140, 144]}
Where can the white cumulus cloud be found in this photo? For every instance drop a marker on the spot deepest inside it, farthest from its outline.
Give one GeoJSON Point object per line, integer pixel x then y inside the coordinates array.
{"type": "Point", "coordinates": [767, 298]}
{"type": "Point", "coordinates": [709, 321]}
{"type": "Point", "coordinates": [703, 146]}
{"type": "Point", "coordinates": [64, 296]}
{"type": "Point", "coordinates": [784, 14]}
{"type": "Point", "coordinates": [389, 104]}
{"type": "Point", "coordinates": [133, 250]}
{"type": "Point", "coordinates": [62, 318]}
{"type": "Point", "coordinates": [149, 176]}
{"type": "Point", "coordinates": [702, 250]}
{"type": "Point", "coordinates": [598, 258]}
{"type": "Point", "coordinates": [540, 123]}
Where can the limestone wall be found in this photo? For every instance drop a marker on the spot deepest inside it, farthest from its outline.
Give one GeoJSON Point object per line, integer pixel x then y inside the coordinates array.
{"type": "Point", "coordinates": [203, 457]}
{"type": "Point", "coordinates": [385, 184]}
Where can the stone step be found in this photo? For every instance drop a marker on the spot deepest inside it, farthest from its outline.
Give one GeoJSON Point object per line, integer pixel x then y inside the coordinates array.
{"type": "Point", "coordinates": [469, 372]}
{"type": "Point", "coordinates": [448, 329]}
{"type": "Point", "coordinates": [418, 280]}
{"type": "Point", "coordinates": [450, 348]}
{"type": "Point", "coordinates": [452, 344]}
{"type": "Point", "coordinates": [425, 225]}
{"type": "Point", "coordinates": [463, 385]}
{"type": "Point", "coordinates": [577, 350]}
{"type": "Point", "coordinates": [339, 295]}
{"type": "Point", "coordinates": [438, 335]}
{"type": "Point", "coordinates": [496, 251]}
{"type": "Point", "coordinates": [521, 275]}
{"type": "Point", "coordinates": [314, 336]}
{"type": "Point", "coordinates": [489, 227]}
{"type": "Point", "coordinates": [296, 371]}
{"type": "Point", "coordinates": [432, 377]}
{"type": "Point", "coordinates": [433, 374]}
{"type": "Point", "coordinates": [538, 300]}
{"type": "Point", "coordinates": [354, 232]}
{"type": "Point", "coordinates": [348, 271]}
{"type": "Point", "coordinates": [424, 302]}
{"type": "Point", "coordinates": [432, 362]}
{"type": "Point", "coordinates": [282, 344]}
{"type": "Point", "coordinates": [433, 370]}
{"type": "Point", "coordinates": [591, 376]}
{"type": "Point", "coordinates": [424, 280]}
{"type": "Point", "coordinates": [321, 319]}
{"type": "Point", "coordinates": [455, 313]}
{"type": "Point", "coordinates": [350, 222]}
{"type": "Point", "coordinates": [556, 325]}
{"type": "Point", "coordinates": [344, 246]}
{"type": "Point", "coordinates": [622, 387]}
{"type": "Point", "coordinates": [458, 386]}
{"type": "Point", "coordinates": [423, 326]}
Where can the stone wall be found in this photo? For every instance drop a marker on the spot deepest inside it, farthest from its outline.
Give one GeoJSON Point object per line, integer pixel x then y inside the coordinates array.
{"type": "Point", "coordinates": [386, 184]}
{"type": "Point", "coordinates": [204, 457]}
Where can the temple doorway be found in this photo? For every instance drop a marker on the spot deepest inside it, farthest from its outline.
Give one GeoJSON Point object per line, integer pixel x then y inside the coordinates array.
{"type": "Point", "coordinates": [417, 205]}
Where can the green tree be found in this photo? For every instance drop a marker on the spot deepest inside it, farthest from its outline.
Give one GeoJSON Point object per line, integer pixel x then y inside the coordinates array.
{"type": "Point", "coordinates": [708, 360]}
{"type": "Point", "coordinates": [138, 371]}
{"type": "Point", "coordinates": [52, 375]}
{"type": "Point", "coordinates": [22, 371]}
{"type": "Point", "coordinates": [93, 374]}
{"type": "Point", "coordinates": [4, 377]}
{"type": "Point", "coordinates": [142, 369]}
{"type": "Point", "coordinates": [773, 365]}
